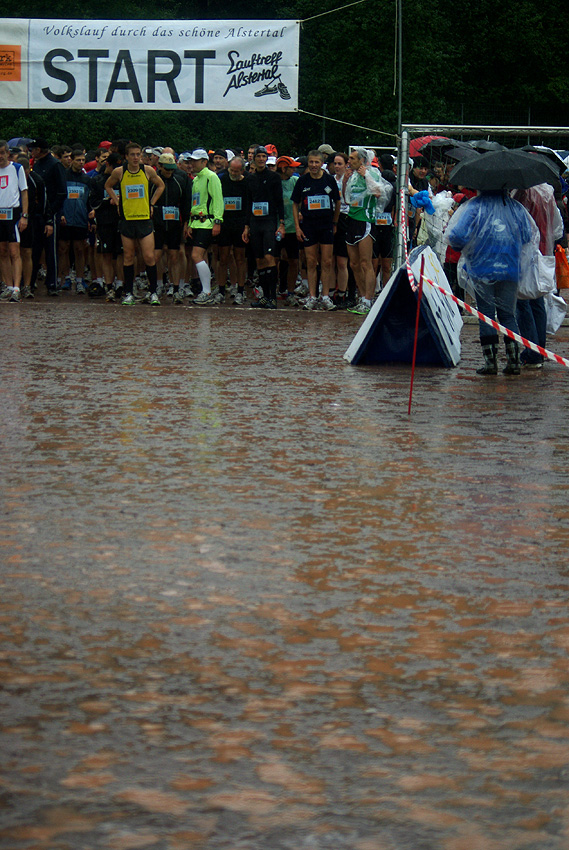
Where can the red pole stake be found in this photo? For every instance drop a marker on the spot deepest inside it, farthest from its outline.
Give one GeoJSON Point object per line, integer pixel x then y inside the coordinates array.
{"type": "Point", "coordinates": [419, 296]}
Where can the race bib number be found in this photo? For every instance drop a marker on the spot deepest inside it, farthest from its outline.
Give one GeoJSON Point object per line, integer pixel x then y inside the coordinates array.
{"type": "Point", "coordinates": [318, 202]}
{"type": "Point", "coordinates": [196, 199]}
{"type": "Point", "coordinates": [6, 214]}
{"type": "Point", "coordinates": [135, 192]}
{"type": "Point", "coordinates": [232, 204]}
{"type": "Point", "coordinates": [357, 202]}
{"type": "Point", "coordinates": [261, 208]}
{"type": "Point", "coordinates": [170, 214]}
{"type": "Point", "coordinates": [384, 218]}
{"type": "Point", "coordinates": [74, 193]}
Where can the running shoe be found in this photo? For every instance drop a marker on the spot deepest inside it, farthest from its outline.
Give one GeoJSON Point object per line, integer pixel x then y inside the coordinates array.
{"type": "Point", "coordinates": [80, 288]}
{"type": "Point", "coordinates": [204, 299]}
{"type": "Point", "coordinates": [128, 300]}
{"type": "Point", "coordinates": [362, 308]}
{"type": "Point", "coordinates": [283, 91]}
{"type": "Point", "coordinates": [178, 298]}
{"type": "Point", "coordinates": [326, 303]}
{"type": "Point", "coordinates": [264, 304]}
{"type": "Point", "coordinates": [154, 301]}
{"type": "Point", "coordinates": [311, 303]}
{"type": "Point", "coordinates": [240, 299]}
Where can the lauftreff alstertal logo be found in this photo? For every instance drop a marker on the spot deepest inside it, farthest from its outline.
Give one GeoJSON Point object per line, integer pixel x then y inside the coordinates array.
{"type": "Point", "coordinates": [255, 69]}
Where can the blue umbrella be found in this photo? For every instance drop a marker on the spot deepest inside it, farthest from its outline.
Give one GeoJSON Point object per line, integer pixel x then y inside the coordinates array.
{"type": "Point", "coordinates": [16, 143]}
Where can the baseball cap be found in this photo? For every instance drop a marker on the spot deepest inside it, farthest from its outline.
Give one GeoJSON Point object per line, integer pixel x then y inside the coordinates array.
{"type": "Point", "coordinates": [157, 151]}
{"type": "Point", "coordinates": [328, 149]}
{"type": "Point", "coordinates": [271, 160]}
{"type": "Point", "coordinates": [147, 150]}
{"type": "Point", "coordinates": [287, 162]}
{"type": "Point", "coordinates": [167, 160]}
{"type": "Point", "coordinates": [41, 143]}
{"type": "Point", "coordinates": [260, 149]}
{"type": "Point", "coordinates": [106, 145]}
{"type": "Point", "coordinates": [199, 153]}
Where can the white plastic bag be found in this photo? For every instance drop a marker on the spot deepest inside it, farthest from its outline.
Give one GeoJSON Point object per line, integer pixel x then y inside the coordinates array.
{"type": "Point", "coordinates": [538, 274]}
{"type": "Point", "coordinates": [433, 225]}
{"type": "Point", "coordinates": [556, 310]}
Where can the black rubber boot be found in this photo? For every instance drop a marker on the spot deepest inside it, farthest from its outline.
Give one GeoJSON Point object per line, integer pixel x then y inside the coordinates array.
{"type": "Point", "coordinates": [513, 355]}
{"type": "Point", "coordinates": [490, 352]}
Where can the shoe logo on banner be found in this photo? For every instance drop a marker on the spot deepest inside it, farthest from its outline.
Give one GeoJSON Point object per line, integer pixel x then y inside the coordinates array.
{"type": "Point", "coordinates": [254, 69]}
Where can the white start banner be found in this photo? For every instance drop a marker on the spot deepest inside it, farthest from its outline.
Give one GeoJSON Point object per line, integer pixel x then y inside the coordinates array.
{"type": "Point", "coordinates": [216, 65]}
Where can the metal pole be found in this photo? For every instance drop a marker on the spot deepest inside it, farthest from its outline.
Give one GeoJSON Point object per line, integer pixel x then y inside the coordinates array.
{"type": "Point", "coordinates": [402, 178]}
{"type": "Point", "coordinates": [399, 65]}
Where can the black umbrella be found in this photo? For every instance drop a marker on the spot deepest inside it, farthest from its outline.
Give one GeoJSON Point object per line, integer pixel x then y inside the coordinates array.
{"type": "Point", "coordinates": [485, 145]}
{"type": "Point", "coordinates": [461, 153]}
{"type": "Point", "coordinates": [507, 169]}
{"type": "Point", "coordinates": [548, 153]}
{"type": "Point", "coordinates": [437, 148]}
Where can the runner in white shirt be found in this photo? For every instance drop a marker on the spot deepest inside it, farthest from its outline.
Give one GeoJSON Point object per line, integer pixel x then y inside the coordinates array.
{"type": "Point", "coordinates": [13, 219]}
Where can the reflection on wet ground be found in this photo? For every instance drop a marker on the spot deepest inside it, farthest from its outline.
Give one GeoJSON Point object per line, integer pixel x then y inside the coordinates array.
{"type": "Point", "coordinates": [247, 602]}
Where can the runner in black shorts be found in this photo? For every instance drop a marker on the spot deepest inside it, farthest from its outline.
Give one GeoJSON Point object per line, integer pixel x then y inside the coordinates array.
{"type": "Point", "coordinates": [135, 212]}
{"type": "Point", "coordinates": [236, 201]}
{"type": "Point", "coordinates": [171, 211]}
{"type": "Point", "coordinates": [316, 198]}
{"type": "Point", "coordinates": [265, 220]}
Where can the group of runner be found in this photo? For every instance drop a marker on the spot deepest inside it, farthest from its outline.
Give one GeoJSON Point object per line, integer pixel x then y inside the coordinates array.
{"type": "Point", "coordinates": [198, 221]}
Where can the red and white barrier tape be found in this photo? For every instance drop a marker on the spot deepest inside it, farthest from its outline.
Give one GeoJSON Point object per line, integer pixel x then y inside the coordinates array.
{"type": "Point", "coordinates": [550, 355]}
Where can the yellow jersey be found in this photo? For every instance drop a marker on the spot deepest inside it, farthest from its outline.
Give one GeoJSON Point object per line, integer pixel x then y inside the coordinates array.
{"type": "Point", "coordinates": [134, 195]}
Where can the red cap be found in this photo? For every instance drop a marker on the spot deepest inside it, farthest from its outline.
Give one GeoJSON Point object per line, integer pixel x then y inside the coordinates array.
{"type": "Point", "coordinates": [287, 161]}
{"type": "Point", "coordinates": [106, 145]}
{"type": "Point", "coordinates": [271, 150]}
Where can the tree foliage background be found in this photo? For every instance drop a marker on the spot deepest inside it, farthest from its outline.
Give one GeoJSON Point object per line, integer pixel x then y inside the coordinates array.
{"type": "Point", "coordinates": [494, 63]}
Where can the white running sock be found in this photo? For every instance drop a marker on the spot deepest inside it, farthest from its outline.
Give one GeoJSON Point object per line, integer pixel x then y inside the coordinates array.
{"type": "Point", "coordinates": [204, 272]}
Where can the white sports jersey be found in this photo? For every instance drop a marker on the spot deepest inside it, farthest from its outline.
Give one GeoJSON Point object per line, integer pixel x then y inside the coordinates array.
{"type": "Point", "coordinates": [12, 182]}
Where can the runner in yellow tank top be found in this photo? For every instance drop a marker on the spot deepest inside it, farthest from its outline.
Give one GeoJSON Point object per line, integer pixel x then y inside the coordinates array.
{"type": "Point", "coordinates": [134, 195]}
{"type": "Point", "coordinates": [135, 224]}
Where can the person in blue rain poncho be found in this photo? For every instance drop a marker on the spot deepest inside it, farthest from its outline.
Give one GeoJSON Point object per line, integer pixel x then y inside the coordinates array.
{"type": "Point", "coordinates": [490, 231]}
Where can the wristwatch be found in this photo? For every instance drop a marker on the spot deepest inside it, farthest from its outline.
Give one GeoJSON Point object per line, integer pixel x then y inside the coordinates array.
{"type": "Point", "coordinates": [218, 221]}
{"type": "Point", "coordinates": [24, 215]}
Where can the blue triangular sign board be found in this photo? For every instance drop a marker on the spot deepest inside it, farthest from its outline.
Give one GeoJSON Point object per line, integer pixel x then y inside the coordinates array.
{"type": "Point", "coordinates": [388, 332]}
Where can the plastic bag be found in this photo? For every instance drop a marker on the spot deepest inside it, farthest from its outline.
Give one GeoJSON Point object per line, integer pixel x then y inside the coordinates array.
{"type": "Point", "coordinates": [435, 224]}
{"type": "Point", "coordinates": [538, 274]}
{"type": "Point", "coordinates": [556, 310]}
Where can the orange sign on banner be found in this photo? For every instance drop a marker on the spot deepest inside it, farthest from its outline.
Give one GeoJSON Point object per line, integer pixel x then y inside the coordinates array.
{"type": "Point", "coordinates": [10, 62]}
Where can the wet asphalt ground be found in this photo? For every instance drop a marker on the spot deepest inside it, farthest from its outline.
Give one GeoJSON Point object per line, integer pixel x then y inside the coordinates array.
{"type": "Point", "coordinates": [248, 603]}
